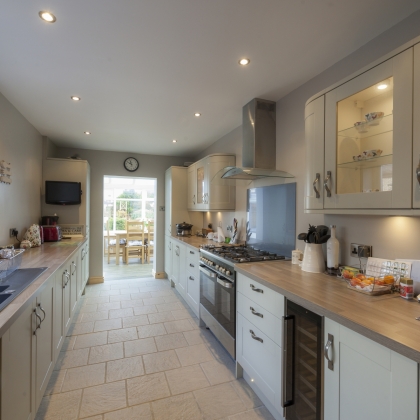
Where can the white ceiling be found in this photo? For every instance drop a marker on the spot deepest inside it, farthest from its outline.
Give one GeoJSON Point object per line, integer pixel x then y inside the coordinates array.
{"type": "Point", "coordinates": [143, 67]}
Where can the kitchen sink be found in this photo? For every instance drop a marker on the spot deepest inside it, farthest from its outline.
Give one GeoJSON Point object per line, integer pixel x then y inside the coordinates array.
{"type": "Point", "coordinates": [16, 283]}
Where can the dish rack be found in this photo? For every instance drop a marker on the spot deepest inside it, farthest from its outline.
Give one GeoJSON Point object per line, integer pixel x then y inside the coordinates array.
{"type": "Point", "coordinates": [9, 265]}
{"type": "Point", "coordinates": [381, 276]}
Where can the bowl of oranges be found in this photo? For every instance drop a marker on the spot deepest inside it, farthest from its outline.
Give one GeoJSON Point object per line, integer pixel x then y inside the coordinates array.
{"type": "Point", "coordinates": [367, 284]}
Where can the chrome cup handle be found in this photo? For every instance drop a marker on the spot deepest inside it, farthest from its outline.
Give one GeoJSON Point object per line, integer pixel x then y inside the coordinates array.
{"type": "Point", "coordinates": [317, 178]}
{"type": "Point", "coordinates": [326, 184]}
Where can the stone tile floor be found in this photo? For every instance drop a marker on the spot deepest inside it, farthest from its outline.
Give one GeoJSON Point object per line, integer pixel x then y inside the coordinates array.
{"type": "Point", "coordinates": [135, 352]}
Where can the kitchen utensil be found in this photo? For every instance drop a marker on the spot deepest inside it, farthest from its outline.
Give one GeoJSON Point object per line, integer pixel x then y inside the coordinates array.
{"type": "Point", "coordinates": [302, 236]}
{"type": "Point", "coordinates": [52, 233]}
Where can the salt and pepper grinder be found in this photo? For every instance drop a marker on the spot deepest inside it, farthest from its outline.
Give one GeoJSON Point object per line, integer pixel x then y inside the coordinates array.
{"type": "Point", "coordinates": [333, 250]}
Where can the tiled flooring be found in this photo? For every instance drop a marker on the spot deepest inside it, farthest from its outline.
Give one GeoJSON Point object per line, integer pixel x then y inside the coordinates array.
{"type": "Point", "coordinates": [135, 352]}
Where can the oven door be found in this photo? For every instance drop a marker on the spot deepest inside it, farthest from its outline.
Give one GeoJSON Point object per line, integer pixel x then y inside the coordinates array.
{"type": "Point", "coordinates": [217, 295]}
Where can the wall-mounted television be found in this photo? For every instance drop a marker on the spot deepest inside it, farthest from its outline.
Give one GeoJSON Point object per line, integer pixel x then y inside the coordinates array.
{"type": "Point", "coordinates": [63, 192]}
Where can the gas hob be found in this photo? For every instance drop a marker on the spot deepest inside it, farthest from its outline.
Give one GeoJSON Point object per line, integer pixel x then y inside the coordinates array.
{"type": "Point", "coordinates": [241, 253]}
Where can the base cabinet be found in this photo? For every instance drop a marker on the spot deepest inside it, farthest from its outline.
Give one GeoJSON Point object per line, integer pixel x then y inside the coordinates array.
{"type": "Point", "coordinates": [192, 295]}
{"type": "Point", "coordinates": [178, 268]}
{"type": "Point", "coordinates": [17, 345]}
{"type": "Point", "coordinates": [168, 257]}
{"type": "Point", "coordinates": [366, 380]}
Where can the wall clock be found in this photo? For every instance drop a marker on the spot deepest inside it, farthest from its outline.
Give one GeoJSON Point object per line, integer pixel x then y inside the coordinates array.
{"type": "Point", "coordinates": [131, 164]}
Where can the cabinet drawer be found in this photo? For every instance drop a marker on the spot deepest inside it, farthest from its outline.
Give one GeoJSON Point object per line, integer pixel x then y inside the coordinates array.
{"type": "Point", "coordinates": [260, 317]}
{"type": "Point", "coordinates": [263, 296]}
{"type": "Point", "coordinates": [192, 256]}
{"type": "Point", "coordinates": [261, 360]}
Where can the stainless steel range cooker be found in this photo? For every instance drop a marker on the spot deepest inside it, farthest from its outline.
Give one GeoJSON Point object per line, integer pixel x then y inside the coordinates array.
{"type": "Point", "coordinates": [218, 287]}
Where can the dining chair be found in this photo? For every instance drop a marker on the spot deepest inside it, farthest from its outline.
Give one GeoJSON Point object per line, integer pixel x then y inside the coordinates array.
{"type": "Point", "coordinates": [135, 244]}
{"type": "Point", "coordinates": [111, 246]}
{"type": "Point", "coordinates": [150, 244]}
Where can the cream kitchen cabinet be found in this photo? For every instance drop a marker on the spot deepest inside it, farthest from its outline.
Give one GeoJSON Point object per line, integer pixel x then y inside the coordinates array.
{"type": "Point", "coordinates": [179, 267]}
{"type": "Point", "coordinates": [258, 340]}
{"type": "Point", "coordinates": [205, 195]}
{"type": "Point", "coordinates": [168, 256]}
{"type": "Point", "coordinates": [357, 166]}
{"type": "Point", "coordinates": [364, 380]}
{"type": "Point", "coordinates": [17, 373]}
{"type": "Point", "coordinates": [192, 294]}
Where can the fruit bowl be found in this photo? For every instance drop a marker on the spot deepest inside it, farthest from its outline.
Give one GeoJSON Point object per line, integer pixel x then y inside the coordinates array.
{"type": "Point", "coordinates": [365, 283]}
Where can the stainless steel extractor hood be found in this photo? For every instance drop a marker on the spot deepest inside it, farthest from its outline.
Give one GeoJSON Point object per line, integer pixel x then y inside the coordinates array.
{"type": "Point", "coordinates": [258, 144]}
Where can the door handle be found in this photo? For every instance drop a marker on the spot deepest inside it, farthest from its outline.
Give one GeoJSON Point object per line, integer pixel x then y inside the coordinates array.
{"type": "Point", "coordinates": [256, 290]}
{"type": "Point", "coordinates": [326, 184]}
{"type": "Point", "coordinates": [191, 278]}
{"type": "Point", "coordinates": [256, 313]}
{"type": "Point", "coordinates": [192, 252]}
{"type": "Point", "coordinates": [226, 284]}
{"type": "Point", "coordinates": [329, 345]}
{"type": "Point", "coordinates": [317, 178]}
{"type": "Point", "coordinates": [38, 326]}
{"type": "Point", "coordinates": [42, 309]}
{"type": "Point", "coordinates": [255, 337]}
{"type": "Point", "coordinates": [194, 199]}
{"type": "Point", "coordinates": [284, 344]}
{"type": "Point", "coordinates": [192, 265]}
{"type": "Point", "coordinates": [207, 272]}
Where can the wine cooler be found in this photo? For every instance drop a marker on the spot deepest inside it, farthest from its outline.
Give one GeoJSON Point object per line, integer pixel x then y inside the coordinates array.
{"type": "Point", "coordinates": [302, 364]}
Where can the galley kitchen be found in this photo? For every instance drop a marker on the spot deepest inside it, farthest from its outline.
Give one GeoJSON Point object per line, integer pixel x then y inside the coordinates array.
{"type": "Point", "coordinates": [212, 211]}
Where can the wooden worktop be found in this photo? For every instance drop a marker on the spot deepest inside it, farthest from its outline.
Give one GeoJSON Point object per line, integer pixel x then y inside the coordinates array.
{"type": "Point", "coordinates": [49, 254]}
{"type": "Point", "coordinates": [196, 241]}
{"type": "Point", "coordinates": [387, 319]}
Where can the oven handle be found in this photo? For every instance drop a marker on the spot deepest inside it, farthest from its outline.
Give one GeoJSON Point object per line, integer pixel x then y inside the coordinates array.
{"type": "Point", "coordinates": [227, 284]}
{"type": "Point", "coordinates": [208, 273]}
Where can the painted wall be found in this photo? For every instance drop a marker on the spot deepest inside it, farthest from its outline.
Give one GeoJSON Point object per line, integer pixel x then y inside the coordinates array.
{"type": "Point", "coordinates": [391, 237]}
{"type": "Point", "coordinates": [111, 163]}
{"type": "Point", "coordinates": [21, 145]}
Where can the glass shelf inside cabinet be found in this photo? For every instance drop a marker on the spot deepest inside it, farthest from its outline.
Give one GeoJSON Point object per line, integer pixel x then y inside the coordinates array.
{"type": "Point", "coordinates": [369, 129]}
{"type": "Point", "coordinates": [367, 163]}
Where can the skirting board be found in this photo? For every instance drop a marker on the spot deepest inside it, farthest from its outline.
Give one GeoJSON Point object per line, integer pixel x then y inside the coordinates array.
{"type": "Point", "coordinates": [158, 274]}
{"type": "Point", "coordinates": [95, 280]}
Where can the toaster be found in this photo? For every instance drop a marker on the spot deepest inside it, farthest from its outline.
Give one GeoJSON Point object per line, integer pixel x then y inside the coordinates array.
{"type": "Point", "coordinates": [52, 233]}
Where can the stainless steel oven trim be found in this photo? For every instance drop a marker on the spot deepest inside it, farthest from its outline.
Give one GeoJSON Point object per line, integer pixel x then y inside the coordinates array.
{"type": "Point", "coordinates": [208, 273]}
{"type": "Point", "coordinates": [226, 284]}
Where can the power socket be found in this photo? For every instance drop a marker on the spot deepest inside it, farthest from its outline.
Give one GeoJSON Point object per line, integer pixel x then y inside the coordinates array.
{"type": "Point", "coordinates": [13, 232]}
{"type": "Point", "coordinates": [360, 251]}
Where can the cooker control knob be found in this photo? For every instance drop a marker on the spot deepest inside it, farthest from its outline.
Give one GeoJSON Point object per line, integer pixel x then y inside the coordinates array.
{"type": "Point", "coordinates": [217, 267]}
{"type": "Point", "coordinates": [223, 270]}
{"type": "Point", "coordinates": [228, 273]}
{"type": "Point", "coordinates": [211, 263]}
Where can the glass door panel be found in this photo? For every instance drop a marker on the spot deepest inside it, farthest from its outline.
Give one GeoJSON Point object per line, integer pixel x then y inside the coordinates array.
{"type": "Point", "coordinates": [200, 185]}
{"type": "Point", "coordinates": [365, 140]}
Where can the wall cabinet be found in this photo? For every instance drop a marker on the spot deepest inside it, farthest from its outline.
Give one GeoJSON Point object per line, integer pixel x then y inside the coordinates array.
{"type": "Point", "coordinates": [361, 154]}
{"type": "Point", "coordinates": [258, 340]}
{"type": "Point", "coordinates": [365, 380]}
{"type": "Point", "coordinates": [205, 195]}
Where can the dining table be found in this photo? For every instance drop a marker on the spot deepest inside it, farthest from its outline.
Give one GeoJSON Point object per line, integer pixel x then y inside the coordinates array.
{"type": "Point", "coordinates": [118, 235]}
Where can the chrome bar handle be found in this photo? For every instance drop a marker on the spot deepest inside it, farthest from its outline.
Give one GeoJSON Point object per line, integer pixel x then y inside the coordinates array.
{"type": "Point", "coordinates": [191, 278]}
{"type": "Point", "coordinates": [42, 309]}
{"type": "Point", "coordinates": [75, 267]}
{"type": "Point", "coordinates": [256, 313]}
{"type": "Point", "coordinates": [317, 178]}
{"type": "Point", "coordinates": [68, 277]}
{"type": "Point", "coordinates": [194, 199]}
{"type": "Point", "coordinates": [226, 284]}
{"type": "Point", "coordinates": [192, 265]}
{"type": "Point", "coordinates": [284, 344]}
{"type": "Point", "coordinates": [256, 290]}
{"type": "Point", "coordinates": [329, 345]}
{"type": "Point", "coordinates": [63, 282]}
{"type": "Point", "coordinates": [326, 184]}
{"type": "Point", "coordinates": [207, 272]}
{"type": "Point", "coordinates": [38, 326]}
{"type": "Point", "coordinates": [192, 252]}
{"type": "Point", "coordinates": [255, 337]}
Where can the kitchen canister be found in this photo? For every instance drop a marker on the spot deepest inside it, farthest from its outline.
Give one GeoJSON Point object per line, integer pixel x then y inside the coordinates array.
{"type": "Point", "coordinates": [313, 258]}
{"type": "Point", "coordinates": [296, 256]}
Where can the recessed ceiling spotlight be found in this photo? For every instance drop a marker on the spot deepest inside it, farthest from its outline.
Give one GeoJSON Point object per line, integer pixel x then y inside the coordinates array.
{"type": "Point", "coordinates": [47, 17]}
{"type": "Point", "coordinates": [173, 141]}
{"type": "Point", "coordinates": [87, 132]}
{"type": "Point", "coordinates": [76, 98]}
{"type": "Point", "coordinates": [244, 61]}
{"type": "Point", "coordinates": [382, 86]}
{"type": "Point", "coordinates": [197, 114]}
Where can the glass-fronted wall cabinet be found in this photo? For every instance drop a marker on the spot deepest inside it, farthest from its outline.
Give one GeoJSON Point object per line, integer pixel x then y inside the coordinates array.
{"type": "Point", "coordinates": [368, 138]}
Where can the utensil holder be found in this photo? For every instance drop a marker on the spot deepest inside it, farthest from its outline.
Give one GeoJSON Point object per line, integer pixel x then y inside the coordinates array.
{"type": "Point", "coordinates": [313, 259]}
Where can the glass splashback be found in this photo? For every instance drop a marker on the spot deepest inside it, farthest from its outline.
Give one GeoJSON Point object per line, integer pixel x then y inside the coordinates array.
{"type": "Point", "coordinates": [271, 218]}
